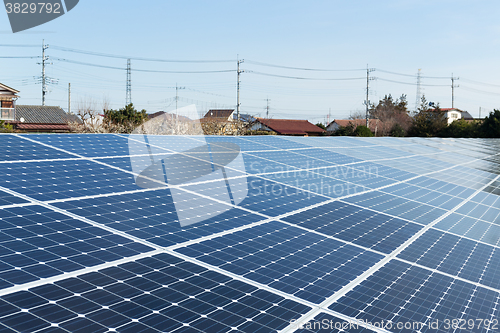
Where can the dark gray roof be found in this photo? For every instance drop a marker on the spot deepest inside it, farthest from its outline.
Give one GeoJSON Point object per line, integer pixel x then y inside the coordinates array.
{"type": "Point", "coordinates": [466, 115]}
{"type": "Point", "coordinates": [37, 114]}
{"type": "Point", "coordinates": [222, 113]}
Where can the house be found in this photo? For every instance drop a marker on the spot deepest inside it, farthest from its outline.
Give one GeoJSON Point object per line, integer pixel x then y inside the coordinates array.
{"type": "Point", "coordinates": [338, 123]}
{"type": "Point", "coordinates": [8, 97]}
{"type": "Point", "coordinates": [452, 114]}
{"type": "Point", "coordinates": [156, 114]}
{"type": "Point", "coordinates": [287, 127]}
{"type": "Point", "coordinates": [220, 115]}
{"type": "Point", "coordinates": [374, 124]}
{"type": "Point", "coordinates": [37, 118]}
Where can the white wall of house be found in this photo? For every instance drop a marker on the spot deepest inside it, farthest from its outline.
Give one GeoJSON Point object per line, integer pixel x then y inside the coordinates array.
{"type": "Point", "coordinates": [453, 115]}
{"type": "Point", "coordinates": [259, 127]}
{"type": "Point", "coordinates": [332, 127]}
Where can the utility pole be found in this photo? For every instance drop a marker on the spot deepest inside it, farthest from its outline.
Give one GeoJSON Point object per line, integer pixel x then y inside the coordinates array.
{"type": "Point", "coordinates": [177, 95]}
{"type": "Point", "coordinates": [128, 99]}
{"type": "Point", "coordinates": [479, 112]}
{"type": "Point", "coordinates": [367, 102]}
{"type": "Point", "coordinates": [176, 100]}
{"type": "Point", "coordinates": [69, 98]}
{"type": "Point", "coordinates": [238, 89]}
{"type": "Point", "coordinates": [44, 79]}
{"type": "Point", "coordinates": [267, 108]}
{"type": "Point", "coordinates": [453, 86]}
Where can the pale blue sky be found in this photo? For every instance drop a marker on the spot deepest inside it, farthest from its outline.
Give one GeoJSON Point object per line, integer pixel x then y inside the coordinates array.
{"type": "Point", "coordinates": [440, 37]}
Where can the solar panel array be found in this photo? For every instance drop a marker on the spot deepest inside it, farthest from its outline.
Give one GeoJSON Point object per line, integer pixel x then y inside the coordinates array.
{"type": "Point", "coordinates": [334, 234]}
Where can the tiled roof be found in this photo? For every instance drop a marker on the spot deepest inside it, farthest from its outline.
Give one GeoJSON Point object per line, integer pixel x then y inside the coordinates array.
{"type": "Point", "coordinates": [373, 123]}
{"type": "Point", "coordinates": [467, 116]}
{"type": "Point", "coordinates": [219, 113]}
{"type": "Point", "coordinates": [290, 126]}
{"type": "Point", "coordinates": [346, 122]}
{"type": "Point", "coordinates": [37, 114]}
{"type": "Point", "coordinates": [43, 127]}
{"type": "Point", "coordinates": [156, 114]}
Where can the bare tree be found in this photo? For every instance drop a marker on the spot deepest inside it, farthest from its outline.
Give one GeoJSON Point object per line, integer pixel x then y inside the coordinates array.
{"type": "Point", "coordinates": [357, 115]}
{"type": "Point", "coordinates": [219, 127]}
{"type": "Point", "coordinates": [91, 118]}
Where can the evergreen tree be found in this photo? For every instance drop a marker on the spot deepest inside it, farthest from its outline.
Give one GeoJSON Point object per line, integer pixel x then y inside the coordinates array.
{"type": "Point", "coordinates": [128, 117]}
{"type": "Point", "coordinates": [491, 125]}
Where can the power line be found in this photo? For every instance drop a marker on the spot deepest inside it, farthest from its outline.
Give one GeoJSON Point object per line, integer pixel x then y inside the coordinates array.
{"type": "Point", "coordinates": [411, 75]}
{"type": "Point", "coordinates": [22, 57]}
{"type": "Point", "coordinates": [19, 45]}
{"type": "Point", "coordinates": [301, 68]}
{"type": "Point", "coordinates": [479, 91]}
{"type": "Point", "coordinates": [66, 49]}
{"type": "Point", "coordinates": [144, 70]}
{"type": "Point", "coordinates": [89, 64]}
{"type": "Point", "coordinates": [305, 78]}
{"type": "Point", "coordinates": [483, 83]}
{"type": "Point", "coordinates": [414, 84]}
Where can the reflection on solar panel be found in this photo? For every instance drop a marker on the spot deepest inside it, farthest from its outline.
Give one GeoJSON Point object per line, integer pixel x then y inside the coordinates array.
{"type": "Point", "coordinates": [123, 233]}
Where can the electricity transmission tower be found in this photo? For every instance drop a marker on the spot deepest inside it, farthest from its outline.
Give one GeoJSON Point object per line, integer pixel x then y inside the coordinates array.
{"type": "Point", "coordinates": [128, 99]}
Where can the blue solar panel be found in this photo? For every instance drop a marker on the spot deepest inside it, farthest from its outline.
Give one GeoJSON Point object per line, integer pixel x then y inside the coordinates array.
{"type": "Point", "coordinates": [379, 232]}
{"type": "Point", "coordinates": [88, 145]}
{"type": "Point", "coordinates": [9, 199]}
{"type": "Point", "coordinates": [430, 301]}
{"type": "Point", "coordinates": [36, 242]}
{"type": "Point", "coordinates": [267, 254]}
{"type": "Point", "coordinates": [64, 179]}
{"type": "Point", "coordinates": [16, 148]}
{"type": "Point", "coordinates": [134, 233]}
{"type": "Point", "coordinates": [160, 294]}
